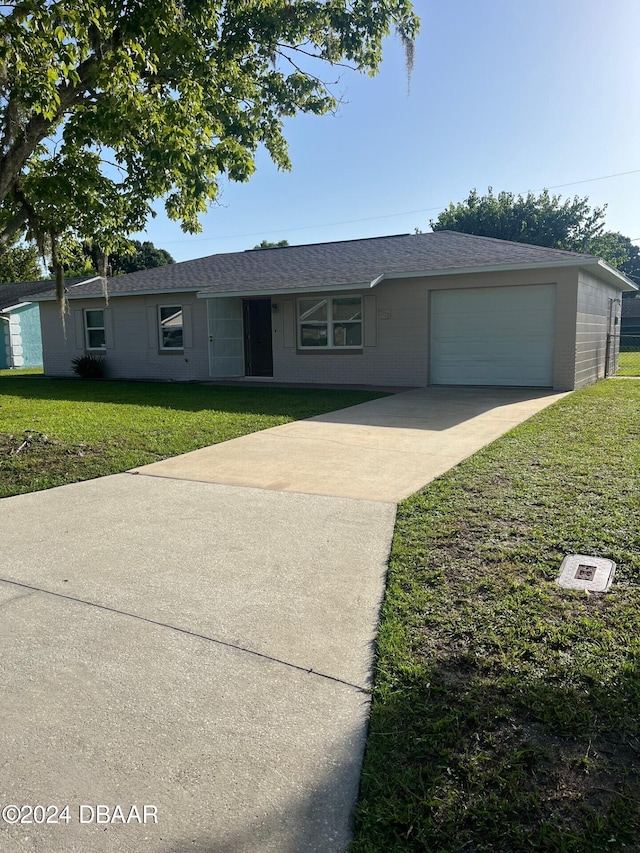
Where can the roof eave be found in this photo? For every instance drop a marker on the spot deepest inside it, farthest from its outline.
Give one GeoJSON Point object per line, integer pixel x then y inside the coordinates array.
{"type": "Point", "coordinates": [163, 292]}
{"type": "Point", "coordinates": [615, 277]}
{"type": "Point", "coordinates": [612, 275]}
{"type": "Point", "coordinates": [15, 307]}
{"type": "Point", "coordinates": [291, 291]}
{"type": "Point", "coordinates": [37, 297]}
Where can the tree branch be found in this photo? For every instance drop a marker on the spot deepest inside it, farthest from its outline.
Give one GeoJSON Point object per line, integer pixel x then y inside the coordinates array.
{"type": "Point", "coordinates": [298, 49]}
{"type": "Point", "coordinates": [38, 128]}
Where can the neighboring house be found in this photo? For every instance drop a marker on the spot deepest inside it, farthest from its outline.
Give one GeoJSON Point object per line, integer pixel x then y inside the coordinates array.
{"type": "Point", "coordinates": [20, 336]}
{"type": "Point", "coordinates": [407, 310]}
{"type": "Point", "coordinates": [20, 340]}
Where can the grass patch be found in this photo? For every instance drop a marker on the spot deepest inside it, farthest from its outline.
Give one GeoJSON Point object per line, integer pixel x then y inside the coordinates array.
{"type": "Point", "coordinates": [54, 432]}
{"type": "Point", "coordinates": [21, 371]}
{"type": "Point", "coordinates": [506, 712]}
{"type": "Point", "coordinates": [629, 364]}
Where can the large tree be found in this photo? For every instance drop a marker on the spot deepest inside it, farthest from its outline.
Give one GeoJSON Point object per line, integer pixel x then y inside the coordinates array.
{"type": "Point", "coordinates": [83, 258]}
{"type": "Point", "coordinates": [106, 107]}
{"type": "Point", "coordinates": [19, 263]}
{"type": "Point", "coordinates": [542, 220]}
{"type": "Point", "coordinates": [144, 256]}
{"type": "Point", "coordinates": [619, 251]}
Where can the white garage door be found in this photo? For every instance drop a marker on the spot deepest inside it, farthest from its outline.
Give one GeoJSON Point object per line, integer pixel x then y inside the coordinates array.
{"type": "Point", "coordinates": [493, 336]}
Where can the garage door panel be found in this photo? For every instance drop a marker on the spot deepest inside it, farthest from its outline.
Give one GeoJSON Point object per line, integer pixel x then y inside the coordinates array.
{"type": "Point", "coordinates": [493, 336]}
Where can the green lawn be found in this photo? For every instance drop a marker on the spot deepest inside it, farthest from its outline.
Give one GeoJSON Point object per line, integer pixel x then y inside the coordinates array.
{"type": "Point", "coordinates": [21, 371]}
{"type": "Point", "coordinates": [629, 364]}
{"type": "Point", "coordinates": [506, 712]}
{"type": "Point", "coordinates": [60, 431]}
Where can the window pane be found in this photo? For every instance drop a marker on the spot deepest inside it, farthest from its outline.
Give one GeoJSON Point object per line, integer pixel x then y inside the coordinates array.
{"type": "Point", "coordinates": [347, 335]}
{"type": "Point", "coordinates": [96, 338]}
{"type": "Point", "coordinates": [347, 308]}
{"type": "Point", "coordinates": [95, 319]}
{"type": "Point", "coordinates": [172, 339]}
{"type": "Point", "coordinates": [171, 315]}
{"type": "Point", "coordinates": [171, 327]}
{"type": "Point", "coordinates": [313, 309]}
{"type": "Point", "coordinates": [313, 336]}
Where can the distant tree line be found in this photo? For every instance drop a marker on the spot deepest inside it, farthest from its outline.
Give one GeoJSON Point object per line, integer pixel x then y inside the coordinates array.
{"type": "Point", "coordinates": [542, 220]}
{"type": "Point", "coordinates": [77, 258]}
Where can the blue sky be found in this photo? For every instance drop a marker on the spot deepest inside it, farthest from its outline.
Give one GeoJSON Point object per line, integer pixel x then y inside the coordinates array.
{"type": "Point", "coordinates": [510, 94]}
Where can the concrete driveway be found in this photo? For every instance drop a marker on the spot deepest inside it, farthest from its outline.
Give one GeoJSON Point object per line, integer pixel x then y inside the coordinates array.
{"type": "Point", "coordinates": [383, 450]}
{"type": "Point", "coordinates": [200, 641]}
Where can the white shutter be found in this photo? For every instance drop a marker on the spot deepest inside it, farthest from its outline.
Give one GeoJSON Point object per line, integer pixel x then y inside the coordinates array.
{"type": "Point", "coordinates": [187, 327]}
{"type": "Point", "coordinates": [78, 322]}
{"type": "Point", "coordinates": [289, 323]}
{"type": "Point", "coordinates": [370, 320]}
{"type": "Point", "coordinates": [108, 328]}
{"type": "Point", "coordinates": [152, 327]}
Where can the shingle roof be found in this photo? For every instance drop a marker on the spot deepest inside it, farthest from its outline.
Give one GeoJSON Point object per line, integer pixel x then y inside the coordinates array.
{"type": "Point", "coordinates": [22, 291]}
{"type": "Point", "coordinates": [321, 265]}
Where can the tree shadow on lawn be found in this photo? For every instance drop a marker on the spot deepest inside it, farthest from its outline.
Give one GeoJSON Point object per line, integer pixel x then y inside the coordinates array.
{"type": "Point", "coordinates": [457, 762]}
{"type": "Point", "coordinates": [189, 397]}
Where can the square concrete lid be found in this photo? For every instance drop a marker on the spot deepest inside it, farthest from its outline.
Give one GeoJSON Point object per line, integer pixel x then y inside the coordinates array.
{"type": "Point", "coordinates": [580, 571]}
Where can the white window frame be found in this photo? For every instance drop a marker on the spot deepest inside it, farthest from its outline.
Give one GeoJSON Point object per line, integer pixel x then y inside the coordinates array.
{"type": "Point", "coordinates": [88, 329]}
{"type": "Point", "coordinates": [176, 309]}
{"type": "Point", "coordinates": [330, 323]}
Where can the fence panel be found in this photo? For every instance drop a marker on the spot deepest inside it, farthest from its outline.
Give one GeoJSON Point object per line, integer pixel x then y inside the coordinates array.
{"type": "Point", "coordinates": [629, 362]}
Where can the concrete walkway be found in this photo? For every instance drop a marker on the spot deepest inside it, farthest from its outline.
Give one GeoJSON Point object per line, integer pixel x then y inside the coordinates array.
{"type": "Point", "coordinates": [205, 649]}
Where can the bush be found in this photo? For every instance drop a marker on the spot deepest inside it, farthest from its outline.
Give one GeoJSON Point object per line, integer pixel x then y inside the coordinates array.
{"type": "Point", "coordinates": [88, 366]}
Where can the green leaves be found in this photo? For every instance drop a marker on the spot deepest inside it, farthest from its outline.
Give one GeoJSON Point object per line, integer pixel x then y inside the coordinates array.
{"type": "Point", "coordinates": [107, 107]}
{"type": "Point", "coordinates": [542, 220]}
{"type": "Point", "coordinates": [19, 263]}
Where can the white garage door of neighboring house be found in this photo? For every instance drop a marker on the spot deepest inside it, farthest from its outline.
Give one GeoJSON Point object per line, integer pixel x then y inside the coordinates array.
{"type": "Point", "coordinates": [493, 336]}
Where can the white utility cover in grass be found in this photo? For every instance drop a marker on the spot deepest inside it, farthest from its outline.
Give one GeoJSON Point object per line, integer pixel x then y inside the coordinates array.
{"type": "Point", "coordinates": [493, 336]}
{"type": "Point", "coordinates": [580, 571]}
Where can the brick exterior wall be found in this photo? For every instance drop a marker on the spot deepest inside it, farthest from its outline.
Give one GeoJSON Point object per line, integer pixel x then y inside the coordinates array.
{"type": "Point", "coordinates": [132, 350]}
{"type": "Point", "coordinates": [592, 326]}
{"type": "Point", "coordinates": [396, 346]}
{"type": "Point", "coordinates": [395, 330]}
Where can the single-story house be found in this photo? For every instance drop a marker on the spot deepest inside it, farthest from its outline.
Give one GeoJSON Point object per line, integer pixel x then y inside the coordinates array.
{"type": "Point", "coordinates": [406, 310]}
{"type": "Point", "coordinates": [20, 341]}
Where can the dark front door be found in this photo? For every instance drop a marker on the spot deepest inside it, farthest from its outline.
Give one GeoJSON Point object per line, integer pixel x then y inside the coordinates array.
{"type": "Point", "coordinates": [258, 353]}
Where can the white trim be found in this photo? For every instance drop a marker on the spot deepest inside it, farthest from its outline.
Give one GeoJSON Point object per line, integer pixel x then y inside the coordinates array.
{"type": "Point", "coordinates": [609, 271]}
{"type": "Point", "coordinates": [607, 268]}
{"type": "Point", "coordinates": [15, 307]}
{"type": "Point", "coordinates": [86, 330]}
{"type": "Point", "coordinates": [71, 296]}
{"type": "Point", "coordinates": [539, 265]}
{"type": "Point", "coordinates": [289, 291]}
{"type": "Point", "coordinates": [86, 281]}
